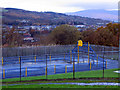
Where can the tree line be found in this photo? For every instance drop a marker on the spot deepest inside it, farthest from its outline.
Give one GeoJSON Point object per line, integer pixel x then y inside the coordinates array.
{"type": "Point", "coordinates": [108, 36]}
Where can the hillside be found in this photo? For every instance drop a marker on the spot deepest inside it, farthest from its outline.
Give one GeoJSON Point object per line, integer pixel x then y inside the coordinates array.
{"type": "Point", "coordinates": [97, 13]}
{"type": "Point", "coordinates": [13, 16]}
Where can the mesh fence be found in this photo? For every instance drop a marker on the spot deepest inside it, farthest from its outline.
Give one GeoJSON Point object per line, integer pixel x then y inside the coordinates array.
{"type": "Point", "coordinates": [36, 50]}
{"type": "Point", "coordinates": [110, 52]}
{"type": "Point", "coordinates": [60, 59]}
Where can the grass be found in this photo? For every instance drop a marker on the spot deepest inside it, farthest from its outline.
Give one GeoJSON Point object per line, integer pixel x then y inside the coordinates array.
{"type": "Point", "coordinates": [58, 86]}
{"type": "Point", "coordinates": [70, 81]}
{"type": "Point", "coordinates": [86, 74]}
{"type": "Point", "coordinates": [97, 73]}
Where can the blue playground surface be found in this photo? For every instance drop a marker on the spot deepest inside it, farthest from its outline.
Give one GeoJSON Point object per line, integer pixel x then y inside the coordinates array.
{"type": "Point", "coordinates": [85, 59]}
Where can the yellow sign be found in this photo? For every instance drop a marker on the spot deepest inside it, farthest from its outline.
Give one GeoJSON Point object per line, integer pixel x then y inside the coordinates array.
{"type": "Point", "coordinates": [80, 43]}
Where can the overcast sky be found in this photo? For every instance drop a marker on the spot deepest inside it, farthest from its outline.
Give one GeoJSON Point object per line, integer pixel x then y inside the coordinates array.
{"type": "Point", "coordinates": [61, 6]}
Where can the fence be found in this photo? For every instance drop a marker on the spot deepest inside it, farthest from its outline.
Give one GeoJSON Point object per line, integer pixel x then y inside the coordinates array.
{"type": "Point", "coordinates": [36, 50]}
{"type": "Point", "coordinates": [110, 52]}
{"type": "Point", "coordinates": [49, 60]}
{"type": "Point", "coordinates": [62, 65]}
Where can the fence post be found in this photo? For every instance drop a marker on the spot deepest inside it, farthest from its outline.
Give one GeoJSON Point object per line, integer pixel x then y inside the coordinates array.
{"type": "Point", "coordinates": [46, 67]}
{"type": "Point", "coordinates": [90, 65]}
{"type": "Point", "coordinates": [82, 56]}
{"type": "Point", "coordinates": [97, 59]}
{"type": "Point", "coordinates": [78, 54]}
{"type": "Point", "coordinates": [2, 60]}
{"type": "Point", "coordinates": [20, 68]}
{"type": "Point", "coordinates": [73, 67]}
{"type": "Point", "coordinates": [65, 69]}
{"type": "Point", "coordinates": [70, 57]}
{"type": "Point", "coordinates": [64, 56]}
{"type": "Point", "coordinates": [19, 59]}
{"type": "Point", "coordinates": [88, 53]}
{"type": "Point", "coordinates": [26, 71]}
{"type": "Point", "coordinates": [103, 60]}
{"type": "Point", "coordinates": [106, 63]}
{"type": "Point", "coordinates": [35, 58]}
{"type": "Point", "coordinates": [50, 57]}
{"type": "Point", "coordinates": [54, 68]}
{"type": "Point", "coordinates": [46, 72]}
{"type": "Point", "coordinates": [3, 73]}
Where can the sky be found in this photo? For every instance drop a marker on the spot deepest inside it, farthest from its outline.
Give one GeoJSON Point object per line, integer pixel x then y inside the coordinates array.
{"type": "Point", "coordinates": [61, 6]}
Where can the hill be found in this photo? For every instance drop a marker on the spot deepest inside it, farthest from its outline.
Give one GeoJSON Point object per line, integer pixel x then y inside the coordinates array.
{"type": "Point", "coordinates": [97, 13]}
{"type": "Point", "coordinates": [14, 16]}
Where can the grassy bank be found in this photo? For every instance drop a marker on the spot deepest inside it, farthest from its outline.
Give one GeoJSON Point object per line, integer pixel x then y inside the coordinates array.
{"type": "Point", "coordinates": [86, 74]}
{"type": "Point", "coordinates": [58, 86]}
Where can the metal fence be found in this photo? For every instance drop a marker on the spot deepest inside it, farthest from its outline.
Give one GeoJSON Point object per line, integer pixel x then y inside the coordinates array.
{"type": "Point", "coordinates": [36, 50]}
{"type": "Point", "coordinates": [55, 65]}
{"type": "Point", "coordinates": [49, 60]}
{"type": "Point", "coordinates": [110, 52]}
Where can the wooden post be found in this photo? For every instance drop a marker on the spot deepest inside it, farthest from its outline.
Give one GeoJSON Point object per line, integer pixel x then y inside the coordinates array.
{"type": "Point", "coordinates": [46, 67]}
{"type": "Point", "coordinates": [50, 58]}
{"type": "Point", "coordinates": [106, 63]}
{"type": "Point", "coordinates": [54, 68]}
{"type": "Point", "coordinates": [19, 59]}
{"type": "Point", "coordinates": [35, 58]}
{"type": "Point", "coordinates": [90, 65]}
{"type": "Point", "coordinates": [97, 59]}
{"type": "Point", "coordinates": [64, 56]}
{"type": "Point", "coordinates": [46, 72]}
{"type": "Point", "coordinates": [3, 73]}
{"type": "Point", "coordinates": [20, 68]}
{"type": "Point", "coordinates": [103, 60]}
{"type": "Point", "coordinates": [73, 66]}
{"type": "Point", "coordinates": [70, 57]}
{"type": "Point", "coordinates": [2, 60]}
{"type": "Point", "coordinates": [88, 52]}
{"type": "Point", "coordinates": [65, 69]}
{"type": "Point", "coordinates": [26, 71]}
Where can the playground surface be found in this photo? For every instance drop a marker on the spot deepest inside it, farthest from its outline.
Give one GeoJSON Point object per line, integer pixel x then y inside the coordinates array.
{"type": "Point", "coordinates": [38, 68]}
{"type": "Point", "coordinates": [78, 58]}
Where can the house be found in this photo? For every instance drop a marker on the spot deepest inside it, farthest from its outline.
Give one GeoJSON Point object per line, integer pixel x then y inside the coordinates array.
{"type": "Point", "coordinates": [28, 38]}
{"type": "Point", "coordinates": [27, 35]}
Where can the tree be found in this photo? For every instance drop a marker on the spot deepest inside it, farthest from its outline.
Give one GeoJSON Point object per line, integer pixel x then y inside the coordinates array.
{"type": "Point", "coordinates": [113, 28]}
{"type": "Point", "coordinates": [87, 36]}
{"type": "Point", "coordinates": [65, 34]}
{"type": "Point", "coordinates": [12, 37]}
{"type": "Point", "coordinates": [104, 37]}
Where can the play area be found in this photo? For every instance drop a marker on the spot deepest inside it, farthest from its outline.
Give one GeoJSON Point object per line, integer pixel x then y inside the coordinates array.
{"type": "Point", "coordinates": [81, 57]}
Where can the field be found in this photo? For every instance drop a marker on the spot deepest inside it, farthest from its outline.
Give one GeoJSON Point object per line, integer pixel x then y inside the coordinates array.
{"type": "Point", "coordinates": [85, 74]}
{"type": "Point", "coordinates": [58, 86]}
